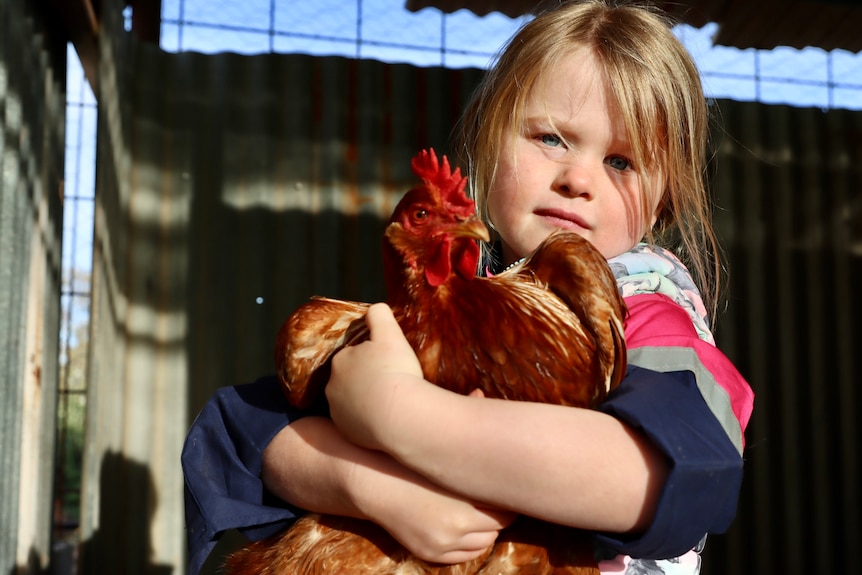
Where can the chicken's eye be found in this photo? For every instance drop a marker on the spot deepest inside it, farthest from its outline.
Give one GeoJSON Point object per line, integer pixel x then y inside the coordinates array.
{"type": "Point", "coordinates": [419, 216]}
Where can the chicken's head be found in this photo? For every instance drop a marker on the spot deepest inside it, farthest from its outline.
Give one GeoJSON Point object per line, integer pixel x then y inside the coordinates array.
{"type": "Point", "coordinates": [431, 236]}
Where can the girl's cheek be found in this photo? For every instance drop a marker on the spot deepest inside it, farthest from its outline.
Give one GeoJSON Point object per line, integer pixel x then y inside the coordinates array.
{"type": "Point", "coordinates": [498, 203]}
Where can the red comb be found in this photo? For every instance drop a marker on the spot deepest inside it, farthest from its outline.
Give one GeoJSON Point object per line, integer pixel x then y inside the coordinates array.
{"type": "Point", "coordinates": [450, 183]}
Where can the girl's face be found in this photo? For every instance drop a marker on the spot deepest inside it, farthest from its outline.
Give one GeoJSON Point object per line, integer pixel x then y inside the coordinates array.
{"type": "Point", "coordinates": [570, 168]}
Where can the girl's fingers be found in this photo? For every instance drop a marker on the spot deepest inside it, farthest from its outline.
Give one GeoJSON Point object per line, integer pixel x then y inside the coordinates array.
{"type": "Point", "coordinates": [469, 546]}
{"type": "Point", "coordinates": [475, 546]}
{"type": "Point", "coordinates": [500, 518]}
{"type": "Point", "coordinates": [386, 343]}
{"type": "Point", "coordinates": [381, 321]}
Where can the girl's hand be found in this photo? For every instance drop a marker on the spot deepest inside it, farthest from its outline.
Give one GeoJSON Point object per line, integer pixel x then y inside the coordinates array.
{"type": "Point", "coordinates": [431, 523]}
{"type": "Point", "coordinates": [367, 378]}
{"type": "Point", "coordinates": [311, 465]}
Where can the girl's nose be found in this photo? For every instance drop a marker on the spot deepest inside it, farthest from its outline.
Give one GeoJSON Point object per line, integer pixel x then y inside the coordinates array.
{"type": "Point", "coordinates": [573, 179]}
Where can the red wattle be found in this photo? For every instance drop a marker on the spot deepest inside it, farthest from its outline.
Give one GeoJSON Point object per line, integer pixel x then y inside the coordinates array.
{"type": "Point", "coordinates": [439, 266]}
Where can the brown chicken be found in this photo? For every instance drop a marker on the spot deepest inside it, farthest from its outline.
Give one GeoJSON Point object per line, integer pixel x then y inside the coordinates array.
{"type": "Point", "coordinates": [548, 329]}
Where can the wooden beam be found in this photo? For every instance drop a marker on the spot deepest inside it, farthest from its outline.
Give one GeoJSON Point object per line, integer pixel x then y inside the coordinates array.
{"type": "Point", "coordinates": [82, 26]}
{"type": "Point", "coordinates": [146, 20]}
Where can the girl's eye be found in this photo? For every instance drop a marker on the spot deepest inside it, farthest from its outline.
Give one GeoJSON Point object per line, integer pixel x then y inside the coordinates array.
{"type": "Point", "coordinates": [550, 140]}
{"type": "Point", "coordinates": [619, 163]}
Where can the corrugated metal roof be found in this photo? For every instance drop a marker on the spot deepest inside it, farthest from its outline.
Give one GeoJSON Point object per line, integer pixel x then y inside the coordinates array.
{"type": "Point", "coordinates": [764, 24]}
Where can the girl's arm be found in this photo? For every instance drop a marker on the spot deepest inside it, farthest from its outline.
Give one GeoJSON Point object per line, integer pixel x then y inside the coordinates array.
{"type": "Point", "coordinates": [247, 447]}
{"type": "Point", "coordinates": [312, 466]}
{"type": "Point", "coordinates": [571, 466]}
{"type": "Point", "coordinates": [658, 468]}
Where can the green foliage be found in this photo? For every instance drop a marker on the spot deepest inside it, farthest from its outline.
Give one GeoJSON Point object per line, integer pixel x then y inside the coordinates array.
{"type": "Point", "coordinates": [71, 418]}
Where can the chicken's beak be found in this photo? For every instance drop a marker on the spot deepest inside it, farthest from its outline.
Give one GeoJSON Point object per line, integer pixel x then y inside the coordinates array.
{"type": "Point", "coordinates": [472, 227]}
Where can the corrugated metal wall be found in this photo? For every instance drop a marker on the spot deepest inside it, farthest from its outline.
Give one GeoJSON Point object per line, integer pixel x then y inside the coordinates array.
{"type": "Point", "coordinates": [231, 188]}
{"type": "Point", "coordinates": [32, 123]}
{"type": "Point", "coordinates": [790, 181]}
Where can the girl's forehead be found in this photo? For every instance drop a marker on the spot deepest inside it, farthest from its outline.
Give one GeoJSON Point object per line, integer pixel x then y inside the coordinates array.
{"type": "Point", "coordinates": [570, 78]}
{"type": "Point", "coordinates": [573, 84]}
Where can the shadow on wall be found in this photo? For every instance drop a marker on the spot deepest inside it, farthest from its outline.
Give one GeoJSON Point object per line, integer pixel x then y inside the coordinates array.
{"type": "Point", "coordinates": [32, 567]}
{"type": "Point", "coordinates": [62, 562]}
{"type": "Point", "coordinates": [122, 544]}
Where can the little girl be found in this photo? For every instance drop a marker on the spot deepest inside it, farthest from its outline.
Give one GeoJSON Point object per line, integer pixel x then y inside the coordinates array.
{"type": "Point", "coordinates": [592, 120]}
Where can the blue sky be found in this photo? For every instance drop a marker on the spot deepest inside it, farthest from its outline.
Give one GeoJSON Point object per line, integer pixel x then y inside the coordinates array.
{"type": "Point", "coordinates": [384, 30]}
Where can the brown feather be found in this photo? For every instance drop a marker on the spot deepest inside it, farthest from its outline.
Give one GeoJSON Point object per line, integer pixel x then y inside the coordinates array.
{"type": "Point", "coordinates": [308, 339]}
{"type": "Point", "coordinates": [555, 321]}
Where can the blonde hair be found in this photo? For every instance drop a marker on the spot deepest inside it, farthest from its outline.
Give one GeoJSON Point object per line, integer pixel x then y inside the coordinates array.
{"type": "Point", "coordinates": [657, 88]}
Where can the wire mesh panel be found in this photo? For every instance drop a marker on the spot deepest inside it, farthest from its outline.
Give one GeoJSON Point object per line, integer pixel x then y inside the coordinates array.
{"type": "Point", "coordinates": [31, 166]}
{"type": "Point", "coordinates": [383, 30]}
{"type": "Point", "coordinates": [75, 298]}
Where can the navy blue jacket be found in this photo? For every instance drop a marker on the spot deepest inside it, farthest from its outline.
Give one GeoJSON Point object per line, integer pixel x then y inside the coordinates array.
{"type": "Point", "coordinates": [223, 450]}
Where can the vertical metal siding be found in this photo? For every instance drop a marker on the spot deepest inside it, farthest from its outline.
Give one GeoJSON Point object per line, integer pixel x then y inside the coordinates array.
{"type": "Point", "coordinates": [232, 188]}
{"type": "Point", "coordinates": [32, 117]}
{"type": "Point", "coordinates": [790, 183]}
{"type": "Point", "coordinates": [123, 524]}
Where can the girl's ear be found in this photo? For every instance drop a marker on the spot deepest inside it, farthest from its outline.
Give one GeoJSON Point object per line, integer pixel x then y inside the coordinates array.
{"type": "Point", "coordinates": [665, 206]}
{"type": "Point", "coordinates": [656, 213]}
{"type": "Point", "coordinates": [661, 214]}
{"type": "Point", "coordinates": [662, 203]}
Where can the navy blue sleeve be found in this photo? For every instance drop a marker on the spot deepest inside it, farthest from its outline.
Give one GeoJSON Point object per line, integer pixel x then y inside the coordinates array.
{"type": "Point", "coordinates": [221, 460]}
{"type": "Point", "coordinates": [705, 469]}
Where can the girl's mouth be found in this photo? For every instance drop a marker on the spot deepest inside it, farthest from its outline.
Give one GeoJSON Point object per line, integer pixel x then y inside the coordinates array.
{"type": "Point", "coordinates": [563, 219]}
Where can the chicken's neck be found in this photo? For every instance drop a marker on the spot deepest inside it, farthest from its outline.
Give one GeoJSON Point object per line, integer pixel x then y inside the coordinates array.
{"type": "Point", "coordinates": [449, 262]}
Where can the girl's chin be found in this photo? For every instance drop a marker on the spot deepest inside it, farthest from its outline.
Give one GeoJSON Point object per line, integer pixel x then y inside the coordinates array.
{"type": "Point", "coordinates": [523, 249]}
